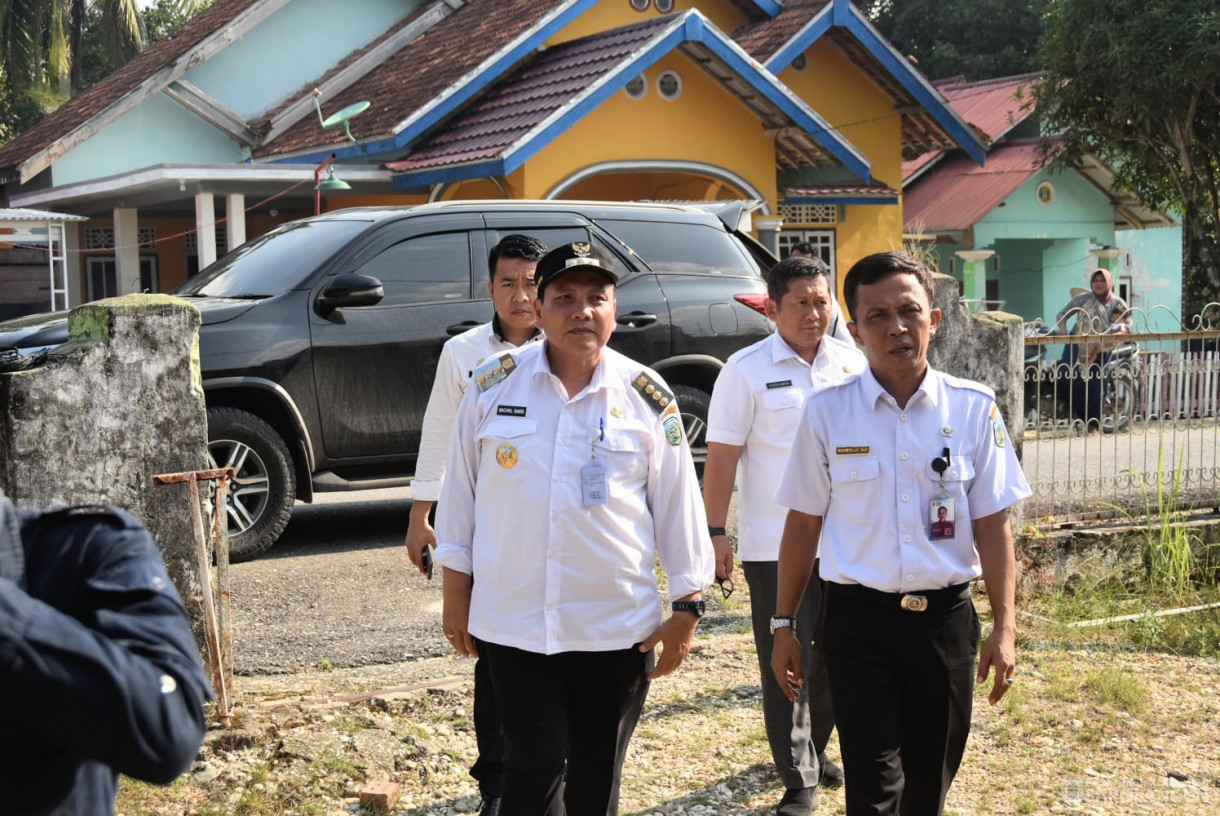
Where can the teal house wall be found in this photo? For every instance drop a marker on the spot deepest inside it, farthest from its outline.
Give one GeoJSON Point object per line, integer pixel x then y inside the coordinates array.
{"type": "Point", "coordinates": [250, 77]}
{"type": "Point", "coordinates": [159, 131]}
{"type": "Point", "coordinates": [1154, 264]}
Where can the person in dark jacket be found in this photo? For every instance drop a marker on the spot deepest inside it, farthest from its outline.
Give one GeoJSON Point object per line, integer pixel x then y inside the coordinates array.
{"type": "Point", "coordinates": [99, 671]}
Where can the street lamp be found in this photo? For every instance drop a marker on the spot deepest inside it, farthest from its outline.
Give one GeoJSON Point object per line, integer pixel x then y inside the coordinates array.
{"type": "Point", "coordinates": [329, 183]}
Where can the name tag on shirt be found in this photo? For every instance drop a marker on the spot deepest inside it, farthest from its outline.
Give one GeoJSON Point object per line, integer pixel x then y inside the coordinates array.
{"type": "Point", "coordinates": [780, 384]}
{"type": "Point", "coordinates": [510, 410]}
{"type": "Point", "coordinates": [593, 484]}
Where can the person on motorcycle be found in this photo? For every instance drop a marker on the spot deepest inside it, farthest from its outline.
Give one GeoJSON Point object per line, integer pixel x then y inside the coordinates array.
{"type": "Point", "coordinates": [1098, 312]}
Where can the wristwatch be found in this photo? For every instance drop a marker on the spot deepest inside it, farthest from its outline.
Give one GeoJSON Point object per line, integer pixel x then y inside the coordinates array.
{"type": "Point", "coordinates": [715, 531]}
{"type": "Point", "coordinates": [782, 622]}
{"type": "Point", "coordinates": [696, 608]}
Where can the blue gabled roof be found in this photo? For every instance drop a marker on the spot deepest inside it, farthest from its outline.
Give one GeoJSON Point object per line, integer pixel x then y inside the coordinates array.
{"type": "Point", "coordinates": [556, 89]}
{"type": "Point", "coordinates": [837, 16]}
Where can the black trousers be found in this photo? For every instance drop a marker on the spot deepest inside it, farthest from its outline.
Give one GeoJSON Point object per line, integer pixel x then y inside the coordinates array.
{"type": "Point", "coordinates": [902, 684]}
{"type": "Point", "coordinates": [488, 769]}
{"type": "Point", "coordinates": [797, 732]}
{"type": "Point", "coordinates": [567, 719]}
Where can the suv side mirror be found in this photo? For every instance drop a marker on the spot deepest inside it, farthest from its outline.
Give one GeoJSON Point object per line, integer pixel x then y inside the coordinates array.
{"type": "Point", "coordinates": [350, 290]}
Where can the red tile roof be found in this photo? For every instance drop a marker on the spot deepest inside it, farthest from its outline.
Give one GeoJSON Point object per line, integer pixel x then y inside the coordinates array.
{"type": "Point", "coordinates": [419, 72]}
{"type": "Point", "coordinates": [89, 103]}
{"type": "Point", "coordinates": [959, 192]}
{"type": "Point", "coordinates": [546, 84]}
{"type": "Point", "coordinates": [994, 106]}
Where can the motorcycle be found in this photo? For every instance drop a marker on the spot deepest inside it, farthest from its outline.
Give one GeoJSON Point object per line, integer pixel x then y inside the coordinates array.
{"type": "Point", "coordinates": [1050, 386]}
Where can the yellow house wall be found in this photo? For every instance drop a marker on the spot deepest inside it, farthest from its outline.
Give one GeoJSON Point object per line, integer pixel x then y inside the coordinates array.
{"type": "Point", "coordinates": [705, 124]}
{"type": "Point", "coordinates": [863, 114]}
{"type": "Point", "coordinates": [608, 14]}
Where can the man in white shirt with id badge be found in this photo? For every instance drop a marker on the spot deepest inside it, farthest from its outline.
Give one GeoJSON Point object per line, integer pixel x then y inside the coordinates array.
{"type": "Point", "coordinates": [756, 407]}
{"type": "Point", "coordinates": [568, 475]}
{"type": "Point", "coordinates": [881, 465]}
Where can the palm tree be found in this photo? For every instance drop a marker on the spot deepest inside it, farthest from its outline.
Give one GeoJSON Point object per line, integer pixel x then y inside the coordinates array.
{"type": "Point", "coordinates": [40, 40]}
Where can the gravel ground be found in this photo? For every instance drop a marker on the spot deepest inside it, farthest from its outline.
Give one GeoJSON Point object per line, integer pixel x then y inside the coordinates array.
{"type": "Point", "coordinates": [1084, 731]}
{"type": "Point", "coordinates": [346, 681]}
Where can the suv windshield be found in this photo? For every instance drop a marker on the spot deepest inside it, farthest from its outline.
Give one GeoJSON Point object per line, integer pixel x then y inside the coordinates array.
{"type": "Point", "coordinates": [275, 261]}
{"type": "Point", "coordinates": [684, 249]}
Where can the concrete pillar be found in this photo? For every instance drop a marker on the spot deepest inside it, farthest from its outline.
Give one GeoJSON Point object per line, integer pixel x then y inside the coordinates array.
{"type": "Point", "coordinates": [118, 404]}
{"type": "Point", "coordinates": [235, 220]}
{"type": "Point", "coordinates": [127, 250]}
{"type": "Point", "coordinates": [205, 228]}
{"type": "Point", "coordinates": [974, 274]}
{"type": "Point", "coordinates": [768, 227]}
{"type": "Point", "coordinates": [73, 264]}
{"type": "Point", "coordinates": [988, 347]}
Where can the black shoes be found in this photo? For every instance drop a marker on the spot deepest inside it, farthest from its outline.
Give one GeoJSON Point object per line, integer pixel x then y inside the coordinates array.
{"type": "Point", "coordinates": [832, 774]}
{"type": "Point", "coordinates": [491, 807]}
{"type": "Point", "coordinates": [797, 802]}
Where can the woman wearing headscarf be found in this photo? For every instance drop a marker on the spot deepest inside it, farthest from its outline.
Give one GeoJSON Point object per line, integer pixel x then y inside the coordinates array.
{"type": "Point", "coordinates": [1098, 312]}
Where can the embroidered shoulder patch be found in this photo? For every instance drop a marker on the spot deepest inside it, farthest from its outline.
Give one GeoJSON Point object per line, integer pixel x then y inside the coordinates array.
{"type": "Point", "coordinates": [656, 394]}
{"type": "Point", "coordinates": [494, 370]}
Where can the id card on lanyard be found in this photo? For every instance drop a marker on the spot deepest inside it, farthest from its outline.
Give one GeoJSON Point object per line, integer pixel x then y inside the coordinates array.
{"type": "Point", "coordinates": [594, 482]}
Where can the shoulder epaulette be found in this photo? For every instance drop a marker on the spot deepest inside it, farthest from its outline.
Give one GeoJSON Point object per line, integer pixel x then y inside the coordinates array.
{"type": "Point", "coordinates": [653, 391]}
{"type": "Point", "coordinates": [494, 370]}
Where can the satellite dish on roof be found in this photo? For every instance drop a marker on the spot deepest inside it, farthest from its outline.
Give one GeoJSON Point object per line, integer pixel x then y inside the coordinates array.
{"type": "Point", "coordinates": [343, 117]}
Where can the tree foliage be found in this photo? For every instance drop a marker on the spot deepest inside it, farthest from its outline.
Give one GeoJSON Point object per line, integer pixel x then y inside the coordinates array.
{"type": "Point", "coordinates": [50, 49]}
{"type": "Point", "coordinates": [979, 39]}
{"type": "Point", "coordinates": [1135, 83]}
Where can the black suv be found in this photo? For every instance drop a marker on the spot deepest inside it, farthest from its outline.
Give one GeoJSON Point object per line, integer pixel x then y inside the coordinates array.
{"type": "Point", "coordinates": [320, 338]}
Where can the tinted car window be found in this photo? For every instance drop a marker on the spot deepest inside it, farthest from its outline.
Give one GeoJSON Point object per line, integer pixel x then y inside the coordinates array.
{"type": "Point", "coordinates": [684, 249]}
{"type": "Point", "coordinates": [275, 261]}
{"type": "Point", "coordinates": [425, 269]}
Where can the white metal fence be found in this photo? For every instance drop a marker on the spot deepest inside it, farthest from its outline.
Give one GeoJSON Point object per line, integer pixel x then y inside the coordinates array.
{"type": "Point", "coordinates": [1122, 423]}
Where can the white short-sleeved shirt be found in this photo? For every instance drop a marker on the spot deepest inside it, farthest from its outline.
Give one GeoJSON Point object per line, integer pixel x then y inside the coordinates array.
{"type": "Point", "coordinates": [865, 466]}
{"type": "Point", "coordinates": [459, 357]}
{"type": "Point", "coordinates": [757, 404]}
{"type": "Point", "coordinates": [552, 574]}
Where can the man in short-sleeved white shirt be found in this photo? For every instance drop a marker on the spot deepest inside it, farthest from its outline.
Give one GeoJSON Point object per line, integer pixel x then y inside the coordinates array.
{"type": "Point", "coordinates": [756, 407]}
{"type": "Point", "coordinates": [875, 461]}
{"type": "Point", "coordinates": [569, 475]}
{"type": "Point", "coordinates": [513, 326]}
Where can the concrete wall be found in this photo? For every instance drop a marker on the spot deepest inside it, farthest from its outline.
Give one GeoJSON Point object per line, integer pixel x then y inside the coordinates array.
{"type": "Point", "coordinates": [1155, 269]}
{"type": "Point", "coordinates": [118, 404]}
{"type": "Point", "coordinates": [986, 347]}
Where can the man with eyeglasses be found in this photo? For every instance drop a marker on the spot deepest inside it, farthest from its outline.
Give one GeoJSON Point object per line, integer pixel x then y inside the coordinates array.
{"type": "Point", "coordinates": [756, 406]}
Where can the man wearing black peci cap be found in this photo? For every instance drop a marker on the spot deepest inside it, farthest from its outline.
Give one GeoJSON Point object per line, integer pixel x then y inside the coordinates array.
{"type": "Point", "coordinates": [568, 475]}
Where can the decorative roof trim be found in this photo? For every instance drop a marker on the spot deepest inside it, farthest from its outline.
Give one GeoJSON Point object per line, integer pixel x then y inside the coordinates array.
{"type": "Point", "coordinates": [458, 93]}
{"type": "Point", "coordinates": [842, 14]}
{"type": "Point", "coordinates": [211, 111]}
{"type": "Point", "coordinates": [208, 47]}
{"type": "Point", "coordinates": [689, 26]}
{"type": "Point", "coordinates": [658, 166]}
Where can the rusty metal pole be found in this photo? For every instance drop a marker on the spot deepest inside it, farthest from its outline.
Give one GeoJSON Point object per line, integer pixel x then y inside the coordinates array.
{"type": "Point", "coordinates": [220, 526]}
{"type": "Point", "coordinates": [216, 638]}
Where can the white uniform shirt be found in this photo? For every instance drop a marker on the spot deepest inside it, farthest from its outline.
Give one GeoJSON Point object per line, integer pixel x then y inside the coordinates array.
{"type": "Point", "coordinates": [550, 574]}
{"type": "Point", "coordinates": [865, 466]}
{"type": "Point", "coordinates": [757, 404]}
{"type": "Point", "coordinates": [459, 356]}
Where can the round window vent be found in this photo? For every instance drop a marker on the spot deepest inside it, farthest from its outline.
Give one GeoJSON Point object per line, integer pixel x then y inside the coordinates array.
{"type": "Point", "coordinates": [639, 5]}
{"type": "Point", "coordinates": [664, 6]}
{"type": "Point", "coordinates": [1045, 193]}
{"type": "Point", "coordinates": [669, 85]}
{"type": "Point", "coordinates": [800, 63]}
{"type": "Point", "coordinates": [637, 87]}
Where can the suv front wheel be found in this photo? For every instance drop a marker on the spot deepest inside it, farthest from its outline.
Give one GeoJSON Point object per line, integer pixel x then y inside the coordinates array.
{"type": "Point", "coordinates": [694, 404]}
{"type": "Point", "coordinates": [262, 494]}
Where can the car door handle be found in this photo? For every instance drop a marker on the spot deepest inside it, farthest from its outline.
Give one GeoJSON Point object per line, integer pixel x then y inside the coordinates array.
{"type": "Point", "coordinates": [636, 319]}
{"type": "Point", "coordinates": [461, 328]}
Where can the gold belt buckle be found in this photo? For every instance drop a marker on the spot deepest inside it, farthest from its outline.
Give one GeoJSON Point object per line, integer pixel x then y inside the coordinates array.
{"type": "Point", "coordinates": [914, 603]}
